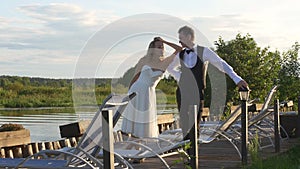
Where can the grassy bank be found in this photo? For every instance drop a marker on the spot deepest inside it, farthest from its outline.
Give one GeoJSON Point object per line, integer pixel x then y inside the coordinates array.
{"type": "Point", "coordinates": [23, 92]}
{"type": "Point", "coordinates": [286, 160]}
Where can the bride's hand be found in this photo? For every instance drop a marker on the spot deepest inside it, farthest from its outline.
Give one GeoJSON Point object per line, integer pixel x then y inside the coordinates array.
{"type": "Point", "coordinates": [159, 39]}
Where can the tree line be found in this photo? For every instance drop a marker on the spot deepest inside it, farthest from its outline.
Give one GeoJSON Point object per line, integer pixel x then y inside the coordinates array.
{"type": "Point", "coordinates": [260, 67]}
{"type": "Point", "coordinates": [19, 92]}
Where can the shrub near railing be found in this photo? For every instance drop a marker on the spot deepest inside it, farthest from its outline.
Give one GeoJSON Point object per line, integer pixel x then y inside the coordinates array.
{"type": "Point", "coordinates": [11, 127]}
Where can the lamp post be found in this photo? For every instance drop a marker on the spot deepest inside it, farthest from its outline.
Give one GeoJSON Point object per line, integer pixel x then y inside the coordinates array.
{"type": "Point", "coordinates": [244, 95]}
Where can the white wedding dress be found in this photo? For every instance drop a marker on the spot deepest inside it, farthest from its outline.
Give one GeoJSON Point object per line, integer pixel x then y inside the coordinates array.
{"type": "Point", "coordinates": [140, 116]}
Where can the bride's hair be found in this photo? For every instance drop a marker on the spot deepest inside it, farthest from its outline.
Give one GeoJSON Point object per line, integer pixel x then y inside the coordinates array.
{"type": "Point", "coordinates": [148, 59]}
{"type": "Point", "coordinates": [151, 47]}
{"type": "Point", "coordinates": [152, 43]}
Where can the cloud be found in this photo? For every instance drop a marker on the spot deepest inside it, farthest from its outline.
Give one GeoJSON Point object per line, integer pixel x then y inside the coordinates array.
{"type": "Point", "coordinates": [66, 26]}
{"type": "Point", "coordinates": [15, 45]}
{"type": "Point", "coordinates": [62, 16]}
{"type": "Point", "coordinates": [54, 26]}
{"type": "Point", "coordinates": [51, 35]}
{"type": "Point", "coordinates": [3, 22]}
{"type": "Point", "coordinates": [266, 29]}
{"type": "Point", "coordinates": [54, 34]}
{"type": "Point", "coordinates": [37, 62]}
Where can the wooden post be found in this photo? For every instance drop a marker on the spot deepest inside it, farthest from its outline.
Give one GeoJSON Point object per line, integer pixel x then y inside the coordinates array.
{"type": "Point", "coordinates": [73, 142]}
{"type": "Point", "coordinates": [120, 136]}
{"type": "Point", "coordinates": [193, 111]}
{"type": "Point", "coordinates": [276, 125]}
{"type": "Point", "coordinates": [78, 139]}
{"type": "Point", "coordinates": [41, 146]}
{"type": "Point", "coordinates": [67, 142]}
{"type": "Point", "coordinates": [244, 122]}
{"type": "Point", "coordinates": [9, 153]}
{"type": "Point", "coordinates": [48, 145]}
{"type": "Point", "coordinates": [35, 148]}
{"type": "Point", "coordinates": [116, 137]}
{"type": "Point", "coordinates": [2, 153]}
{"type": "Point", "coordinates": [168, 126]}
{"type": "Point", "coordinates": [27, 150]}
{"type": "Point", "coordinates": [108, 145]}
{"type": "Point", "coordinates": [62, 143]}
{"type": "Point", "coordinates": [56, 145]}
{"type": "Point", "coordinates": [176, 124]}
{"type": "Point", "coordinates": [17, 150]}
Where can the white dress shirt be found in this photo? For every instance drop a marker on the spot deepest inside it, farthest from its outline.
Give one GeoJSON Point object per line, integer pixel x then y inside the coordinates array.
{"type": "Point", "coordinates": [190, 61]}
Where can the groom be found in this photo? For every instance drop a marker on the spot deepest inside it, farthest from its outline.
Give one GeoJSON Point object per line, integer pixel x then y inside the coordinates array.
{"type": "Point", "coordinates": [191, 76]}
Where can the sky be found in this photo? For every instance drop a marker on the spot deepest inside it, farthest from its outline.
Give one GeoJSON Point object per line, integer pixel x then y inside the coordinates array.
{"type": "Point", "coordinates": [74, 38]}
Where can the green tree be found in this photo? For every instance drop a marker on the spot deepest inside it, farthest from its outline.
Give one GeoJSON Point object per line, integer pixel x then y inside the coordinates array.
{"type": "Point", "coordinates": [258, 66]}
{"type": "Point", "coordinates": [127, 77]}
{"type": "Point", "coordinates": [289, 75]}
{"type": "Point", "coordinates": [16, 86]}
{"type": "Point", "coordinates": [4, 82]}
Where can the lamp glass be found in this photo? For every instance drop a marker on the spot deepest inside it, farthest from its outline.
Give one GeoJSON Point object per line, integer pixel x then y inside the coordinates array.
{"type": "Point", "coordinates": [244, 94]}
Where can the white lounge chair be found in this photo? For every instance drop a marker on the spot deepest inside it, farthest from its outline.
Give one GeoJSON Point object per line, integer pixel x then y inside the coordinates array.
{"type": "Point", "coordinates": [171, 142]}
{"type": "Point", "coordinates": [262, 123]}
{"type": "Point", "coordinates": [210, 131]}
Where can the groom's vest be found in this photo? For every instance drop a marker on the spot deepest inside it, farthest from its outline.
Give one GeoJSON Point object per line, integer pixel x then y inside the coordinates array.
{"type": "Point", "coordinates": [193, 76]}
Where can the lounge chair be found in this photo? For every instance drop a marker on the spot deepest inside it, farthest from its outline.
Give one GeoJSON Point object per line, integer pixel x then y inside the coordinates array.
{"type": "Point", "coordinates": [171, 142]}
{"type": "Point", "coordinates": [210, 131]}
{"type": "Point", "coordinates": [82, 155]}
{"type": "Point", "coordinates": [262, 124]}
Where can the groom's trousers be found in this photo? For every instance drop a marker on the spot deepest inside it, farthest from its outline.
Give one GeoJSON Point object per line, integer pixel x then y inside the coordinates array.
{"type": "Point", "coordinates": [184, 101]}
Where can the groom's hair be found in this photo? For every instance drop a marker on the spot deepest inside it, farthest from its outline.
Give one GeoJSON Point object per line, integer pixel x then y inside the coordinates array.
{"type": "Point", "coordinates": [186, 30]}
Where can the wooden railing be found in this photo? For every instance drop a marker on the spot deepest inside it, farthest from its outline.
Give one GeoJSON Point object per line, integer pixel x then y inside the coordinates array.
{"type": "Point", "coordinates": [25, 150]}
{"type": "Point", "coordinates": [73, 131]}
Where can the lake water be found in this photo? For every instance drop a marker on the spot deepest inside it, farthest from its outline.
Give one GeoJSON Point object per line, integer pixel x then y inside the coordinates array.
{"type": "Point", "coordinates": [44, 123]}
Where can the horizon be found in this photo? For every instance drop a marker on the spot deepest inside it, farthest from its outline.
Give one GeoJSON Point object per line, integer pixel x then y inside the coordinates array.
{"type": "Point", "coordinates": [55, 78]}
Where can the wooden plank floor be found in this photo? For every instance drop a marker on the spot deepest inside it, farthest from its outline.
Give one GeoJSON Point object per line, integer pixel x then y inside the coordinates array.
{"type": "Point", "coordinates": [216, 155]}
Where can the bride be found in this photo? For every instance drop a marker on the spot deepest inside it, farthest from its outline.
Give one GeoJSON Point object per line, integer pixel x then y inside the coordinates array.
{"type": "Point", "coordinates": [140, 116]}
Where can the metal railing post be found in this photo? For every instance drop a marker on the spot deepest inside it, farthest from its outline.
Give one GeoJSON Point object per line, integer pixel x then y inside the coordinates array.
{"type": "Point", "coordinates": [193, 110]}
{"type": "Point", "coordinates": [298, 105]}
{"type": "Point", "coordinates": [244, 122]}
{"type": "Point", "coordinates": [108, 144]}
{"type": "Point", "coordinates": [276, 125]}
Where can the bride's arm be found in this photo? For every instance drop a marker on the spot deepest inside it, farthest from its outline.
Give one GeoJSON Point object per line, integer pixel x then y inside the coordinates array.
{"type": "Point", "coordinates": [173, 45]}
{"type": "Point", "coordinates": [169, 59]}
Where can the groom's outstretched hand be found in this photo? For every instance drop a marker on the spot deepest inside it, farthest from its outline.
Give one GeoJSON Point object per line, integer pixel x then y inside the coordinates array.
{"type": "Point", "coordinates": [243, 84]}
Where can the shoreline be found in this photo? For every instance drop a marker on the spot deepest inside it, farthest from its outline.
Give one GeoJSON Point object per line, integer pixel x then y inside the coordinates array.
{"type": "Point", "coordinates": [32, 108]}
{"type": "Point", "coordinates": [61, 108]}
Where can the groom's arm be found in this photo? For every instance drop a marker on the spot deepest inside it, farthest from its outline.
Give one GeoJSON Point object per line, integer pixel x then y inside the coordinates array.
{"type": "Point", "coordinates": [223, 66]}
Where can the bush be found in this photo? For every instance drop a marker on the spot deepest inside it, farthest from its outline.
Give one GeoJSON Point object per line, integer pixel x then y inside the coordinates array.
{"type": "Point", "coordinates": [11, 127]}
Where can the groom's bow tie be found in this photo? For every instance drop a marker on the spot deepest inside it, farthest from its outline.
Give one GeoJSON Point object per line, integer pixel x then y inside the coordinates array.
{"type": "Point", "coordinates": [189, 50]}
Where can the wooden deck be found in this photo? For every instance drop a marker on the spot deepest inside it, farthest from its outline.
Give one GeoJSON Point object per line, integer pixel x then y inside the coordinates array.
{"type": "Point", "coordinates": [216, 155]}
